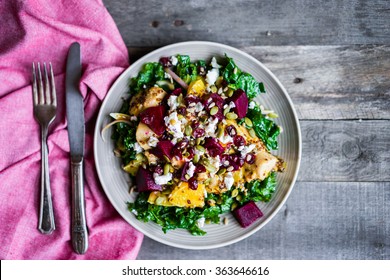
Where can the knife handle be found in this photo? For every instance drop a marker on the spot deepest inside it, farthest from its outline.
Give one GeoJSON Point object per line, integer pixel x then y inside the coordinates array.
{"type": "Point", "coordinates": [79, 223]}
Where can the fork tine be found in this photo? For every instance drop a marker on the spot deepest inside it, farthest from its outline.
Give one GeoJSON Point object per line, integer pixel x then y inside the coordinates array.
{"type": "Point", "coordinates": [53, 86]}
{"type": "Point", "coordinates": [35, 89]}
{"type": "Point", "coordinates": [40, 85]}
{"type": "Point", "coordinates": [47, 86]}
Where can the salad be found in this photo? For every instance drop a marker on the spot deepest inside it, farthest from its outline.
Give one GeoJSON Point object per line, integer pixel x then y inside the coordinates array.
{"type": "Point", "coordinates": [196, 143]}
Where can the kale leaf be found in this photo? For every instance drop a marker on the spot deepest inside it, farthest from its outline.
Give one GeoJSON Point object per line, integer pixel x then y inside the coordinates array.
{"type": "Point", "coordinates": [265, 128]}
{"type": "Point", "coordinates": [186, 70]}
{"type": "Point", "coordinates": [180, 217]}
{"type": "Point", "coordinates": [260, 190]}
{"type": "Point", "coordinates": [148, 76]}
{"type": "Point", "coordinates": [238, 79]}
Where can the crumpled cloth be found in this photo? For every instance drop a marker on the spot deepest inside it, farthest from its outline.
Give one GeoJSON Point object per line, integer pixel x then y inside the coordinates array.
{"type": "Point", "coordinates": [42, 31]}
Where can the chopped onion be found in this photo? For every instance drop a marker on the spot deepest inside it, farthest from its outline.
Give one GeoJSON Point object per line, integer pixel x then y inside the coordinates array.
{"type": "Point", "coordinates": [176, 78]}
{"type": "Point", "coordinates": [111, 124]}
{"type": "Point", "coordinates": [120, 116]}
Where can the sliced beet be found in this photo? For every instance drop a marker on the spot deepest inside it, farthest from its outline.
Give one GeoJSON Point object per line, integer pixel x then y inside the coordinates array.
{"type": "Point", "coordinates": [145, 182]}
{"type": "Point", "coordinates": [247, 214]}
{"type": "Point", "coordinates": [213, 146]}
{"type": "Point", "coordinates": [218, 101]}
{"type": "Point", "coordinates": [163, 148]}
{"type": "Point", "coordinates": [154, 118]}
{"type": "Point", "coordinates": [240, 99]}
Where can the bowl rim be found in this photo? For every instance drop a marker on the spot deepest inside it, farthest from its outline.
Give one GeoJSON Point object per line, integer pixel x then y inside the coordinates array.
{"type": "Point", "coordinates": [295, 119]}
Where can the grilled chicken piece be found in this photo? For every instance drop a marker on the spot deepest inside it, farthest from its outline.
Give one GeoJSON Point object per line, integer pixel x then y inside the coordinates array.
{"type": "Point", "coordinates": [142, 100]}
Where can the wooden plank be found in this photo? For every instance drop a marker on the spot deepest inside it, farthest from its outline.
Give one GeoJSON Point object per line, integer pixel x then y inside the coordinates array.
{"type": "Point", "coordinates": [319, 221]}
{"type": "Point", "coordinates": [345, 151]}
{"type": "Point", "coordinates": [332, 82]}
{"type": "Point", "coordinates": [252, 22]}
{"type": "Point", "coordinates": [328, 82]}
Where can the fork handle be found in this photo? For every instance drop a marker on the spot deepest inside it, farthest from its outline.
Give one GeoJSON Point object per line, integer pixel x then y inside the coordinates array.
{"type": "Point", "coordinates": [46, 224]}
{"type": "Point", "coordinates": [79, 223]}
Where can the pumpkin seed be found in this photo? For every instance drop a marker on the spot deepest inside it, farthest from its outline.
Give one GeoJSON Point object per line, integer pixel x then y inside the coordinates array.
{"type": "Point", "coordinates": [166, 168]}
{"type": "Point", "coordinates": [248, 122]}
{"type": "Point", "coordinates": [226, 110]}
{"type": "Point", "coordinates": [188, 130]}
{"type": "Point", "coordinates": [200, 148]}
{"type": "Point", "coordinates": [166, 158]}
{"type": "Point", "coordinates": [234, 206]}
{"type": "Point", "coordinates": [187, 176]}
{"type": "Point", "coordinates": [221, 171]}
{"type": "Point", "coordinates": [231, 116]}
{"type": "Point", "coordinates": [230, 92]}
{"type": "Point", "coordinates": [273, 115]}
{"type": "Point", "coordinates": [211, 202]}
{"type": "Point", "coordinates": [252, 133]}
{"type": "Point", "coordinates": [160, 200]}
{"type": "Point", "coordinates": [196, 158]}
{"type": "Point", "coordinates": [225, 221]}
{"type": "Point", "coordinates": [214, 110]}
{"type": "Point", "coordinates": [239, 197]}
{"type": "Point", "coordinates": [207, 181]}
{"type": "Point", "coordinates": [213, 89]}
{"type": "Point", "coordinates": [234, 193]}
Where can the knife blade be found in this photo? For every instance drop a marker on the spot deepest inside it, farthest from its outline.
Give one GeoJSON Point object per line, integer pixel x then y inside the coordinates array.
{"type": "Point", "coordinates": [76, 134]}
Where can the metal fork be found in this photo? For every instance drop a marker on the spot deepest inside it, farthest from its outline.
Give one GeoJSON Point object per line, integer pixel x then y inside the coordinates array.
{"type": "Point", "coordinates": [45, 107]}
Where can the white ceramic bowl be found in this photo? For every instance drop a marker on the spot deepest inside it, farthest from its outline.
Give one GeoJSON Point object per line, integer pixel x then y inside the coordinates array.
{"type": "Point", "coordinates": [115, 181]}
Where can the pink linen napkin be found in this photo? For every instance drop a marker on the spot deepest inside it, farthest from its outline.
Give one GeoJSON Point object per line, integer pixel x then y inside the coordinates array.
{"type": "Point", "coordinates": [42, 31]}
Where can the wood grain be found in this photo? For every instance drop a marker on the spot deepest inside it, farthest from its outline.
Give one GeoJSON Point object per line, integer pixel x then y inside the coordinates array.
{"type": "Point", "coordinates": [252, 22]}
{"type": "Point", "coordinates": [328, 82]}
{"type": "Point", "coordinates": [332, 82]}
{"type": "Point", "coordinates": [345, 151]}
{"type": "Point", "coordinates": [319, 221]}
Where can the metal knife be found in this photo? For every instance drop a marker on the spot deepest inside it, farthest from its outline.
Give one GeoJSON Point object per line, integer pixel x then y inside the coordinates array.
{"type": "Point", "coordinates": [76, 133]}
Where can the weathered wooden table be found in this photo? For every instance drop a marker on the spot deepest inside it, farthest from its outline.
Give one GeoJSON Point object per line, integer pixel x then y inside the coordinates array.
{"type": "Point", "coordinates": [333, 57]}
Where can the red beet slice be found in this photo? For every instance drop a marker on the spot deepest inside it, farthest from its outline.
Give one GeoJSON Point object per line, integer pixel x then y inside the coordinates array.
{"type": "Point", "coordinates": [145, 182]}
{"type": "Point", "coordinates": [213, 146]}
{"type": "Point", "coordinates": [218, 101]}
{"type": "Point", "coordinates": [154, 118]}
{"type": "Point", "coordinates": [163, 148]}
{"type": "Point", "coordinates": [247, 214]}
{"type": "Point", "coordinates": [241, 101]}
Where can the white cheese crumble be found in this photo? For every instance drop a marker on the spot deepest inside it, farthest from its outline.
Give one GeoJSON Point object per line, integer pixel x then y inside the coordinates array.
{"type": "Point", "coordinates": [214, 63]}
{"type": "Point", "coordinates": [174, 60]}
{"type": "Point", "coordinates": [162, 179]}
{"type": "Point", "coordinates": [212, 76]}
{"type": "Point", "coordinates": [246, 149]}
{"type": "Point", "coordinates": [167, 76]}
{"type": "Point", "coordinates": [225, 139]}
{"type": "Point", "coordinates": [152, 142]}
{"type": "Point", "coordinates": [174, 125]}
{"type": "Point", "coordinates": [199, 107]}
{"type": "Point", "coordinates": [133, 118]}
{"type": "Point", "coordinates": [211, 127]}
{"type": "Point", "coordinates": [252, 105]}
{"type": "Point", "coordinates": [228, 180]}
{"type": "Point", "coordinates": [191, 169]}
{"type": "Point", "coordinates": [172, 102]}
{"type": "Point", "coordinates": [216, 162]}
{"type": "Point", "coordinates": [200, 222]}
{"type": "Point", "coordinates": [137, 148]}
